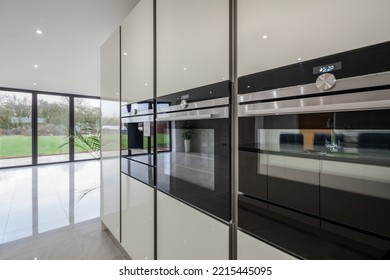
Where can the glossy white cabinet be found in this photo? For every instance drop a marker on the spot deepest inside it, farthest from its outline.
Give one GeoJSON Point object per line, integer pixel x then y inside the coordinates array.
{"type": "Point", "coordinates": [186, 233]}
{"type": "Point", "coordinates": [277, 33]}
{"type": "Point", "coordinates": [192, 44]}
{"type": "Point", "coordinates": [137, 53]}
{"type": "Point", "coordinates": [110, 133]}
{"type": "Point", "coordinates": [250, 248]}
{"type": "Point", "coordinates": [137, 219]}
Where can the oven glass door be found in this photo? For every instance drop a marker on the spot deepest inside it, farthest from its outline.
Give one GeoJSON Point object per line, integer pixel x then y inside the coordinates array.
{"type": "Point", "coordinates": [317, 172]}
{"type": "Point", "coordinates": [193, 163]}
{"type": "Point", "coordinates": [137, 142]}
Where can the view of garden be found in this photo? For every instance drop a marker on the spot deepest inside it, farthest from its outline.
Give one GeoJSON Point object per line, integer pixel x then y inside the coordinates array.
{"type": "Point", "coordinates": [53, 124]}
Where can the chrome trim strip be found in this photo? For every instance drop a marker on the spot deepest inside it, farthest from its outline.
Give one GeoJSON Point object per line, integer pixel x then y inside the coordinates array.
{"type": "Point", "coordinates": [377, 79]}
{"type": "Point", "coordinates": [137, 119]}
{"type": "Point", "coordinates": [196, 105]}
{"type": "Point", "coordinates": [343, 102]}
{"type": "Point", "coordinates": [213, 113]}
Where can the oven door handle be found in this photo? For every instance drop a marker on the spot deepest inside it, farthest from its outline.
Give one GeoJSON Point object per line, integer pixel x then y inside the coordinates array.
{"type": "Point", "coordinates": [183, 118]}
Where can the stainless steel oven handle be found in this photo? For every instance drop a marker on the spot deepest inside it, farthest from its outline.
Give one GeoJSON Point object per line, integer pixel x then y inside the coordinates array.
{"type": "Point", "coordinates": [183, 118]}
{"type": "Point", "coordinates": [379, 99]}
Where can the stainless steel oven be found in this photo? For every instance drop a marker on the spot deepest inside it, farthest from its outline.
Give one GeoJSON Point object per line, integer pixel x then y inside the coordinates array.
{"type": "Point", "coordinates": [314, 156]}
{"type": "Point", "coordinates": [137, 141]}
{"type": "Point", "coordinates": [193, 148]}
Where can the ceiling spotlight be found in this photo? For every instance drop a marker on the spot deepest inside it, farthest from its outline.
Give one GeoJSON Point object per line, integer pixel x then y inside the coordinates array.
{"type": "Point", "coordinates": [34, 84]}
{"type": "Point", "coordinates": [265, 36]}
{"type": "Point", "coordinates": [125, 53]}
{"type": "Point", "coordinates": [146, 84]}
{"type": "Point", "coordinates": [39, 32]}
{"type": "Point", "coordinates": [299, 59]}
{"type": "Point", "coordinates": [185, 68]}
{"type": "Point", "coordinates": [36, 66]}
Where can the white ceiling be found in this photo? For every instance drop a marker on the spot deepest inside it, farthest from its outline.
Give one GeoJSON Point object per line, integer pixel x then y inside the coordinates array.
{"type": "Point", "coordinates": [68, 51]}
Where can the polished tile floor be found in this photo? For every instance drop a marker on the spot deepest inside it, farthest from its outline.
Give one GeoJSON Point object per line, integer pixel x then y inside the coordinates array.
{"type": "Point", "coordinates": [51, 212]}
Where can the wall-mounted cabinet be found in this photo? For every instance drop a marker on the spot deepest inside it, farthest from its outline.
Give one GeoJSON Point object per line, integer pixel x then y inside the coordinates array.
{"type": "Point", "coordinates": [276, 33]}
{"type": "Point", "coordinates": [110, 133]}
{"type": "Point", "coordinates": [137, 219]}
{"type": "Point", "coordinates": [137, 53]}
{"type": "Point", "coordinates": [186, 233]}
{"type": "Point", "coordinates": [192, 44]}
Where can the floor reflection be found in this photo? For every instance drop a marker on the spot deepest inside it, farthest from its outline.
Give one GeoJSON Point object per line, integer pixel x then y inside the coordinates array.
{"type": "Point", "coordinates": [34, 200]}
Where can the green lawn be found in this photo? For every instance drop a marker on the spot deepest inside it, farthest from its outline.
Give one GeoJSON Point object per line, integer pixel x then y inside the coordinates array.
{"type": "Point", "coordinates": [18, 146]}
{"type": "Point", "coordinates": [49, 145]}
{"type": "Point", "coordinates": [15, 146]}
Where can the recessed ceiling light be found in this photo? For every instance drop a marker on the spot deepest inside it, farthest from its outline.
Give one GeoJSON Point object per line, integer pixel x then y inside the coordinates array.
{"type": "Point", "coordinates": [125, 53]}
{"type": "Point", "coordinates": [39, 32]}
{"type": "Point", "coordinates": [146, 84]}
{"type": "Point", "coordinates": [299, 59]}
{"type": "Point", "coordinates": [185, 68]}
{"type": "Point", "coordinates": [36, 66]}
{"type": "Point", "coordinates": [34, 84]}
{"type": "Point", "coordinates": [265, 36]}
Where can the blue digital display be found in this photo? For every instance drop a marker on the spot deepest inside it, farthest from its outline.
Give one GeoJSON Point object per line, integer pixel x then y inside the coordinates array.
{"type": "Point", "coordinates": [327, 68]}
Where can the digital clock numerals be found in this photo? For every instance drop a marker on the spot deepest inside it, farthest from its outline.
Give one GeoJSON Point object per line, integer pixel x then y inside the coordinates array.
{"type": "Point", "coordinates": [326, 69]}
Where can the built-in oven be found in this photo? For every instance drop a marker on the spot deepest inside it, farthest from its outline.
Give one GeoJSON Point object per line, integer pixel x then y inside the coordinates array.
{"type": "Point", "coordinates": [137, 141]}
{"type": "Point", "coordinates": [193, 148]}
{"type": "Point", "coordinates": [314, 156]}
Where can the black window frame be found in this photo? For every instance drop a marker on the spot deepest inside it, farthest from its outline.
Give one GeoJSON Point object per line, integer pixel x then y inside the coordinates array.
{"type": "Point", "coordinates": [34, 123]}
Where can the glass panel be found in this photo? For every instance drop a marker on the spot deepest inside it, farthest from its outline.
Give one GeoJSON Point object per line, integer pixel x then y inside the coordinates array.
{"type": "Point", "coordinates": [53, 128]}
{"type": "Point", "coordinates": [15, 128]}
{"type": "Point", "coordinates": [193, 163]}
{"type": "Point", "coordinates": [86, 128]}
{"type": "Point", "coordinates": [322, 172]}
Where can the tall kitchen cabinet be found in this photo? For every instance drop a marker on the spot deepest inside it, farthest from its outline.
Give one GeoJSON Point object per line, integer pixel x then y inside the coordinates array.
{"type": "Point", "coordinates": [192, 44]}
{"type": "Point", "coordinates": [274, 34]}
{"type": "Point", "coordinates": [192, 52]}
{"type": "Point", "coordinates": [137, 59]}
{"type": "Point", "coordinates": [110, 133]}
{"type": "Point", "coordinates": [137, 85]}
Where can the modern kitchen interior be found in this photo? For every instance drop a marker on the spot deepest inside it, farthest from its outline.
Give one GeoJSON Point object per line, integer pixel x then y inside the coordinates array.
{"type": "Point", "coordinates": [248, 129]}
